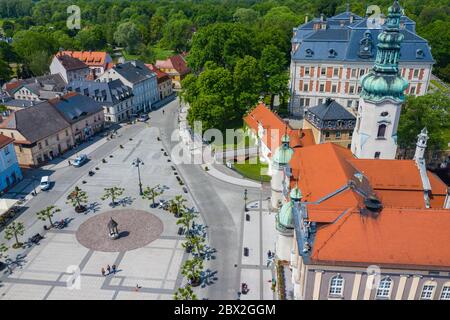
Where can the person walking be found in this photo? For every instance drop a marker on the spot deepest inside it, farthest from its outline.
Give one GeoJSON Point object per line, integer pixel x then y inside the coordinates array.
{"type": "Point", "coordinates": [103, 271]}
{"type": "Point", "coordinates": [163, 112]}
{"type": "Point", "coordinates": [114, 268]}
{"type": "Point", "coordinates": [108, 268]}
{"type": "Point", "coordinates": [70, 163]}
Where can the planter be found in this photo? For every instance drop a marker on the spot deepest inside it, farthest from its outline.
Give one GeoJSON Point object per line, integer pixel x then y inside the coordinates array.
{"type": "Point", "coordinates": [80, 209]}
{"type": "Point", "coordinates": [17, 245]}
{"type": "Point", "coordinates": [195, 282]}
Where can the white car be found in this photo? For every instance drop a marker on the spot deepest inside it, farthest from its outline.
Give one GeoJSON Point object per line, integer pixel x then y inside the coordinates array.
{"type": "Point", "coordinates": [45, 183]}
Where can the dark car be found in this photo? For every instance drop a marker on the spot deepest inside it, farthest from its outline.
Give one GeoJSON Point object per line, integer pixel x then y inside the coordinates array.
{"type": "Point", "coordinates": [80, 160]}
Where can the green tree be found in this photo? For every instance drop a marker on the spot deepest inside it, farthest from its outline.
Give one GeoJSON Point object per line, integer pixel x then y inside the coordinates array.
{"type": "Point", "coordinates": [247, 83]}
{"type": "Point", "coordinates": [7, 52]}
{"type": "Point", "coordinates": [177, 206]}
{"type": "Point", "coordinates": [147, 54]}
{"type": "Point", "coordinates": [77, 198]}
{"type": "Point", "coordinates": [156, 27]}
{"type": "Point", "coordinates": [5, 72]}
{"type": "Point", "coordinates": [245, 15]}
{"type": "Point", "coordinates": [275, 77]}
{"type": "Point", "coordinates": [113, 193]}
{"type": "Point", "coordinates": [177, 34]}
{"type": "Point", "coordinates": [192, 269]}
{"type": "Point", "coordinates": [150, 193]}
{"type": "Point", "coordinates": [14, 230]}
{"type": "Point", "coordinates": [431, 111]}
{"type": "Point", "coordinates": [128, 35]}
{"type": "Point", "coordinates": [48, 213]}
{"type": "Point", "coordinates": [187, 219]}
{"type": "Point", "coordinates": [3, 250]}
{"type": "Point", "coordinates": [91, 38]}
{"type": "Point", "coordinates": [185, 293]}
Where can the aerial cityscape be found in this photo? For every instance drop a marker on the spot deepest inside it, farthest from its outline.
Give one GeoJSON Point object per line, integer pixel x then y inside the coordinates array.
{"type": "Point", "coordinates": [224, 150]}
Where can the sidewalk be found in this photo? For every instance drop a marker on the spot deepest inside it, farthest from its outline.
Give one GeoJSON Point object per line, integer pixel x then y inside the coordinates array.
{"type": "Point", "coordinates": [229, 179]}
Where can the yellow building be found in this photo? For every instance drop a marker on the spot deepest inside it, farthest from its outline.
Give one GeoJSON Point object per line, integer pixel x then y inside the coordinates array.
{"type": "Point", "coordinates": [175, 67]}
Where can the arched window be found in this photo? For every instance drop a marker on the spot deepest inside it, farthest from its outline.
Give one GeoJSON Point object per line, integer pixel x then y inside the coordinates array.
{"type": "Point", "coordinates": [428, 290]}
{"type": "Point", "coordinates": [377, 155]}
{"type": "Point", "coordinates": [381, 131]}
{"type": "Point", "coordinates": [445, 293]}
{"type": "Point", "coordinates": [336, 286]}
{"type": "Point", "coordinates": [384, 288]}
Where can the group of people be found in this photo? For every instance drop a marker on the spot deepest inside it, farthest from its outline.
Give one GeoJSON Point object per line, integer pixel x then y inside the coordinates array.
{"type": "Point", "coordinates": [110, 270]}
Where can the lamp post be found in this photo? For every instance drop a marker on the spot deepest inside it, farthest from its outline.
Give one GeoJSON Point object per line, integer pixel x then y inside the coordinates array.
{"type": "Point", "coordinates": [245, 200]}
{"type": "Point", "coordinates": [137, 163]}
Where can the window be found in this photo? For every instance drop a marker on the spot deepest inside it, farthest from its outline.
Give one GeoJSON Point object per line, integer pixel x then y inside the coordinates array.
{"type": "Point", "coordinates": [361, 72]}
{"type": "Point", "coordinates": [350, 134]}
{"type": "Point", "coordinates": [416, 73]}
{"type": "Point", "coordinates": [381, 131]}
{"type": "Point", "coordinates": [336, 286]}
{"type": "Point", "coordinates": [57, 137]}
{"type": "Point", "coordinates": [321, 87]}
{"type": "Point", "coordinates": [349, 103]}
{"type": "Point", "coordinates": [338, 134]}
{"type": "Point", "coordinates": [445, 294]}
{"type": "Point", "coordinates": [6, 150]}
{"type": "Point", "coordinates": [46, 142]}
{"type": "Point", "coordinates": [327, 134]}
{"type": "Point", "coordinates": [428, 291]}
{"type": "Point", "coordinates": [377, 155]}
{"type": "Point", "coordinates": [412, 90]}
{"type": "Point", "coordinates": [40, 145]}
{"type": "Point", "coordinates": [353, 73]}
{"type": "Point", "coordinates": [351, 90]}
{"type": "Point", "coordinates": [384, 288]}
{"type": "Point", "coordinates": [335, 72]}
{"type": "Point", "coordinates": [323, 71]}
{"type": "Point", "coordinates": [334, 88]}
{"type": "Point", "coordinates": [306, 71]}
{"type": "Point", "coordinates": [67, 133]}
{"type": "Point", "coordinates": [384, 114]}
{"type": "Point", "coordinates": [305, 87]}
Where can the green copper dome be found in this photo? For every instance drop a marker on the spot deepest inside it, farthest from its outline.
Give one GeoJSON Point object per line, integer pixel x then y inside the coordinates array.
{"type": "Point", "coordinates": [285, 218]}
{"type": "Point", "coordinates": [283, 154]}
{"type": "Point", "coordinates": [384, 80]}
{"type": "Point", "coordinates": [296, 194]}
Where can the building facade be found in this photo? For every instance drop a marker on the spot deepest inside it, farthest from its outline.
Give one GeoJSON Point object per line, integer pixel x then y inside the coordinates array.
{"type": "Point", "coordinates": [69, 68]}
{"type": "Point", "coordinates": [36, 144]}
{"type": "Point", "coordinates": [164, 82]}
{"type": "Point", "coordinates": [330, 56]}
{"type": "Point", "coordinates": [10, 172]}
{"type": "Point", "coordinates": [330, 122]}
{"type": "Point", "coordinates": [115, 97]}
{"type": "Point", "coordinates": [140, 79]}
{"type": "Point", "coordinates": [97, 61]}
{"type": "Point", "coordinates": [176, 67]}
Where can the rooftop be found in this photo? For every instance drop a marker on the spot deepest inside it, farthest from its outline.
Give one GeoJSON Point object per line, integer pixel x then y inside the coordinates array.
{"type": "Point", "coordinates": [4, 140]}
{"type": "Point", "coordinates": [176, 62]}
{"type": "Point", "coordinates": [70, 64]}
{"type": "Point", "coordinates": [74, 106]}
{"type": "Point", "coordinates": [90, 58]}
{"type": "Point", "coordinates": [134, 71]}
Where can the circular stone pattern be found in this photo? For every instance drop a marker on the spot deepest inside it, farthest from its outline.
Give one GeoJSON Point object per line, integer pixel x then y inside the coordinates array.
{"type": "Point", "coordinates": [136, 229]}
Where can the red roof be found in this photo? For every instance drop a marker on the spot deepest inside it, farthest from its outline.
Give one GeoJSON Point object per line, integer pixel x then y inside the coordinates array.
{"type": "Point", "coordinates": [396, 237]}
{"type": "Point", "coordinates": [162, 76]}
{"type": "Point", "coordinates": [91, 58]}
{"type": "Point", "coordinates": [176, 62]}
{"type": "Point", "coordinates": [275, 127]}
{"type": "Point", "coordinates": [4, 140]}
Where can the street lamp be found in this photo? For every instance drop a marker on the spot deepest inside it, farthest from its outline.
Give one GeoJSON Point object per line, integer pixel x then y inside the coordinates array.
{"type": "Point", "coordinates": [245, 200]}
{"type": "Point", "coordinates": [137, 163]}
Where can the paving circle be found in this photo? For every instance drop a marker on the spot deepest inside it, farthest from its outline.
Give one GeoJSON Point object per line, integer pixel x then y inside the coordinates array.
{"type": "Point", "coordinates": [136, 229]}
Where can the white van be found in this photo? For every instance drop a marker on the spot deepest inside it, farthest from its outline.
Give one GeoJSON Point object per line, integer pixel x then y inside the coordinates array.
{"type": "Point", "coordinates": [45, 183]}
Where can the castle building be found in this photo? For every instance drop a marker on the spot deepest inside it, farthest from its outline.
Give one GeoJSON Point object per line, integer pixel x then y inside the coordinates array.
{"type": "Point", "coordinates": [381, 98]}
{"type": "Point", "coordinates": [330, 56]}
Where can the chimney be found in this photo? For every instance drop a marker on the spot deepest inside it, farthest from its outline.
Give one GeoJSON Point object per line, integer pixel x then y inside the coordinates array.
{"type": "Point", "coordinates": [306, 19]}
{"type": "Point", "coordinates": [322, 17]}
{"type": "Point", "coordinates": [351, 18]}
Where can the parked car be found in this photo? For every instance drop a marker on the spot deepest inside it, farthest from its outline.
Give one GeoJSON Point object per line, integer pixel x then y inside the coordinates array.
{"type": "Point", "coordinates": [143, 117]}
{"type": "Point", "coordinates": [45, 183]}
{"type": "Point", "coordinates": [80, 160]}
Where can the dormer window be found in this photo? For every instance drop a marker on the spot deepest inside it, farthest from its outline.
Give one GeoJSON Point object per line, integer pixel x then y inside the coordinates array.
{"type": "Point", "coordinates": [309, 53]}
{"type": "Point", "coordinates": [419, 54]}
{"type": "Point", "coordinates": [332, 53]}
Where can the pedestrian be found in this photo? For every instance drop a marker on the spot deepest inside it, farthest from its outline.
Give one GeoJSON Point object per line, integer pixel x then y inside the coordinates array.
{"type": "Point", "coordinates": [109, 269]}
{"type": "Point", "coordinates": [137, 287]}
{"type": "Point", "coordinates": [269, 254]}
{"type": "Point", "coordinates": [163, 112]}
{"type": "Point", "coordinates": [70, 163]}
{"type": "Point", "coordinates": [114, 268]}
{"type": "Point", "coordinates": [103, 271]}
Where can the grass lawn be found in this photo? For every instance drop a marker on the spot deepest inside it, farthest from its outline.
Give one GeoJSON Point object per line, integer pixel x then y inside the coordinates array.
{"type": "Point", "coordinates": [439, 86]}
{"type": "Point", "coordinates": [252, 171]}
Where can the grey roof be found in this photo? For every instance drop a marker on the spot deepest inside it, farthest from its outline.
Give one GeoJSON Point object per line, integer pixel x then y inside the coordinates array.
{"type": "Point", "coordinates": [46, 87]}
{"type": "Point", "coordinates": [75, 107]}
{"type": "Point", "coordinates": [37, 122]}
{"type": "Point", "coordinates": [69, 63]}
{"type": "Point", "coordinates": [105, 92]}
{"type": "Point", "coordinates": [134, 71]}
{"type": "Point", "coordinates": [344, 35]}
{"type": "Point", "coordinates": [331, 110]}
{"type": "Point", "coordinates": [16, 103]}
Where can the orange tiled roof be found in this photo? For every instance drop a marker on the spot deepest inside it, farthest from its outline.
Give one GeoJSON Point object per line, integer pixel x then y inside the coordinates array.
{"type": "Point", "coordinates": [162, 76]}
{"type": "Point", "coordinates": [409, 237]}
{"type": "Point", "coordinates": [91, 58]}
{"type": "Point", "coordinates": [4, 140]}
{"type": "Point", "coordinates": [275, 128]}
{"type": "Point", "coordinates": [176, 62]}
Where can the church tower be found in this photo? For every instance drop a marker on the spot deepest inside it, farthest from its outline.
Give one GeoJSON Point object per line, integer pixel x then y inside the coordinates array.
{"type": "Point", "coordinates": [375, 134]}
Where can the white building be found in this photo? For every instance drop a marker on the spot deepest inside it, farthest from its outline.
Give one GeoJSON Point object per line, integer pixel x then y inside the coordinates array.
{"type": "Point", "coordinates": [69, 68]}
